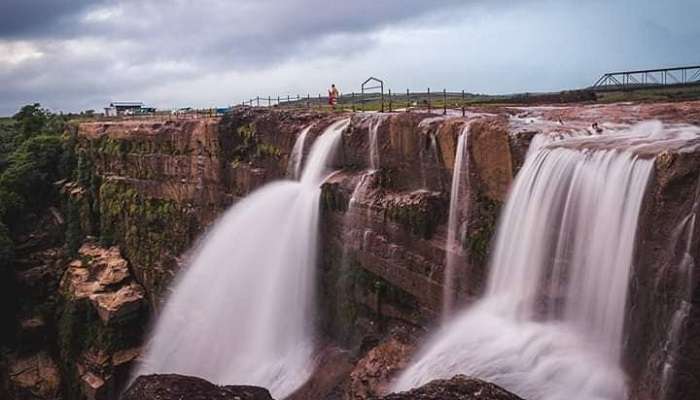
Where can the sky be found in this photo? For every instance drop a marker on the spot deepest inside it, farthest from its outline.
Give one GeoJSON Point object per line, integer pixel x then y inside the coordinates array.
{"type": "Point", "coordinates": [73, 55]}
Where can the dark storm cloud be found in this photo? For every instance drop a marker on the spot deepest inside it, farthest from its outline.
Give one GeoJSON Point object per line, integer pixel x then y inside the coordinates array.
{"type": "Point", "coordinates": [149, 41]}
{"type": "Point", "coordinates": [22, 18]}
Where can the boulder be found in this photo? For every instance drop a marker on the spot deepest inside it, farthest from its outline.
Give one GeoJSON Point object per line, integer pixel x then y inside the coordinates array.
{"type": "Point", "coordinates": [333, 365]}
{"type": "Point", "coordinates": [459, 387]}
{"type": "Point", "coordinates": [102, 276]}
{"type": "Point", "coordinates": [178, 387]}
{"type": "Point", "coordinates": [374, 372]}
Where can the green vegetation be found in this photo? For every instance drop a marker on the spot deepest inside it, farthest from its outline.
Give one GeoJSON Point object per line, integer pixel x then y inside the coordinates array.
{"type": "Point", "coordinates": [32, 158]}
{"type": "Point", "coordinates": [422, 101]}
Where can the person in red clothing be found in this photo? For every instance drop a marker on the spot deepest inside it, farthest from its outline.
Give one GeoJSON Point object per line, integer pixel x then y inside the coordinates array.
{"type": "Point", "coordinates": [333, 96]}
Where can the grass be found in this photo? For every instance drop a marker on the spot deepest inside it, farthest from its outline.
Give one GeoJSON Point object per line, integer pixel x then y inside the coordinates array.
{"type": "Point", "coordinates": [373, 102]}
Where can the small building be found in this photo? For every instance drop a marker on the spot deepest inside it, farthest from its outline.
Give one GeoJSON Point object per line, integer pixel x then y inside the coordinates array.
{"type": "Point", "coordinates": [127, 108]}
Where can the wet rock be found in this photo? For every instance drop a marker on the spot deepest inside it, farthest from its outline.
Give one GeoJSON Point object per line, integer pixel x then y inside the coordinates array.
{"type": "Point", "coordinates": [459, 387]}
{"type": "Point", "coordinates": [663, 322]}
{"type": "Point", "coordinates": [374, 372]}
{"type": "Point", "coordinates": [519, 145]}
{"type": "Point", "coordinates": [179, 387]}
{"type": "Point", "coordinates": [490, 150]}
{"type": "Point", "coordinates": [327, 382]}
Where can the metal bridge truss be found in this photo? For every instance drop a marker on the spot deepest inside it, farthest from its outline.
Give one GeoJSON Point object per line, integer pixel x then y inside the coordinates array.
{"type": "Point", "coordinates": [649, 78]}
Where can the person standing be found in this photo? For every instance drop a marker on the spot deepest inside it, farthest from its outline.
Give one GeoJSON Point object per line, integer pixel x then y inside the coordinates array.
{"type": "Point", "coordinates": [333, 96]}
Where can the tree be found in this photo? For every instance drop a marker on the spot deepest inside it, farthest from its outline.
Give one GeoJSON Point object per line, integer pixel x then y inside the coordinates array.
{"type": "Point", "coordinates": [31, 119]}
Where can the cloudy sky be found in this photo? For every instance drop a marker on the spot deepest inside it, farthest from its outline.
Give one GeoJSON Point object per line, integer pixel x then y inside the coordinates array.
{"type": "Point", "coordinates": [74, 55]}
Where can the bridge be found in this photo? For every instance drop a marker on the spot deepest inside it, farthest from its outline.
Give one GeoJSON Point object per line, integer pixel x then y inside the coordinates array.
{"type": "Point", "coordinates": [649, 78]}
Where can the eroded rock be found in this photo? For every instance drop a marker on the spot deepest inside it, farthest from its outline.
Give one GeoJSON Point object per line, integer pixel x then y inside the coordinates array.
{"type": "Point", "coordinates": [100, 323]}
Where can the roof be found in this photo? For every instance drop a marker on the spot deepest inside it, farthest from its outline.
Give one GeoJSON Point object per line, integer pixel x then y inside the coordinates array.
{"type": "Point", "coordinates": [126, 104]}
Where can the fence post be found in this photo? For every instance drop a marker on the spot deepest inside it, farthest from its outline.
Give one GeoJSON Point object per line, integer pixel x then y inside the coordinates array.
{"type": "Point", "coordinates": [320, 104]}
{"type": "Point", "coordinates": [463, 103]}
{"type": "Point", "coordinates": [444, 101]}
{"type": "Point", "coordinates": [287, 99]}
{"type": "Point", "coordinates": [353, 101]}
{"type": "Point", "coordinates": [269, 101]}
{"type": "Point", "coordinates": [408, 101]}
{"type": "Point", "coordinates": [389, 100]}
{"type": "Point", "coordinates": [429, 102]}
{"type": "Point", "coordinates": [308, 100]}
{"type": "Point", "coordinates": [257, 101]}
{"type": "Point", "coordinates": [382, 98]}
{"type": "Point", "coordinates": [278, 101]}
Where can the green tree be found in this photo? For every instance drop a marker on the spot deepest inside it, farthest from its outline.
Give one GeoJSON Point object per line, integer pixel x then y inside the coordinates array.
{"type": "Point", "coordinates": [30, 174]}
{"type": "Point", "coordinates": [31, 119]}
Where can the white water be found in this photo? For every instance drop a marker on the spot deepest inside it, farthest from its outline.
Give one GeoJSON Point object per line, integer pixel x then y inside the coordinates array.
{"type": "Point", "coordinates": [242, 313]}
{"type": "Point", "coordinates": [550, 325]}
{"type": "Point", "coordinates": [374, 142]}
{"type": "Point", "coordinates": [297, 156]}
{"type": "Point", "coordinates": [453, 245]}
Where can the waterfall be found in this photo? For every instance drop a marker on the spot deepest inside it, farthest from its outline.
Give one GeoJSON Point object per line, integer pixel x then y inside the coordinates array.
{"type": "Point", "coordinates": [453, 245]}
{"type": "Point", "coordinates": [242, 312]}
{"type": "Point", "coordinates": [374, 142]}
{"type": "Point", "coordinates": [297, 156]}
{"type": "Point", "coordinates": [550, 324]}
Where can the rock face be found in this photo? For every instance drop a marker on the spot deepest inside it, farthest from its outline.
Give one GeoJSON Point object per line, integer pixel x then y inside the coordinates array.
{"type": "Point", "coordinates": [459, 387]}
{"type": "Point", "coordinates": [152, 186]}
{"type": "Point", "coordinates": [101, 320]}
{"type": "Point", "coordinates": [384, 229]}
{"type": "Point", "coordinates": [663, 324]}
{"type": "Point", "coordinates": [146, 189]}
{"type": "Point", "coordinates": [178, 387]}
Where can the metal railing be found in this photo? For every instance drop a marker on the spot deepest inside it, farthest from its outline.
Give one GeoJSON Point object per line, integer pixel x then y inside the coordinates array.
{"type": "Point", "coordinates": [391, 101]}
{"type": "Point", "coordinates": [649, 78]}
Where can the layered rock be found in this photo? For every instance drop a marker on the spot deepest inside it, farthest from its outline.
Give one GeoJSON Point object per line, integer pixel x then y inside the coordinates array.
{"type": "Point", "coordinates": [178, 387]}
{"type": "Point", "coordinates": [152, 187]}
{"type": "Point", "coordinates": [663, 326]}
{"type": "Point", "coordinates": [384, 229]}
{"type": "Point", "coordinates": [101, 322]}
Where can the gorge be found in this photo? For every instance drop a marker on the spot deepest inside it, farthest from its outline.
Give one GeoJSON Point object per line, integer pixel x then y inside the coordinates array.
{"type": "Point", "coordinates": [591, 290]}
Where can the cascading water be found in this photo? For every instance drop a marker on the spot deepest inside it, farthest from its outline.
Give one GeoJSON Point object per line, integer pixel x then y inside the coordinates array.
{"type": "Point", "coordinates": [242, 311]}
{"type": "Point", "coordinates": [366, 179]}
{"type": "Point", "coordinates": [297, 156]}
{"type": "Point", "coordinates": [453, 247]}
{"type": "Point", "coordinates": [550, 325]}
{"type": "Point", "coordinates": [374, 142]}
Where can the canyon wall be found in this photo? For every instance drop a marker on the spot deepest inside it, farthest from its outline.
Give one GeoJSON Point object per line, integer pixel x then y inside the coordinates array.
{"type": "Point", "coordinates": [150, 188]}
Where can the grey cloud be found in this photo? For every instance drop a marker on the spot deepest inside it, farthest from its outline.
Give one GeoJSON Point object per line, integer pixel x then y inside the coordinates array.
{"type": "Point", "coordinates": [31, 18]}
{"type": "Point", "coordinates": [91, 52]}
{"type": "Point", "coordinates": [146, 42]}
